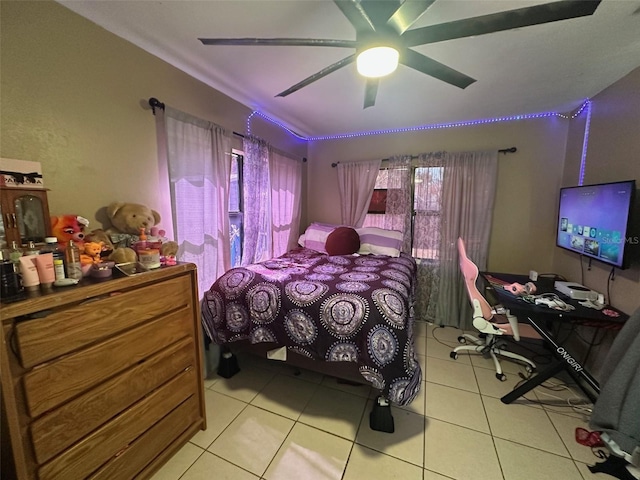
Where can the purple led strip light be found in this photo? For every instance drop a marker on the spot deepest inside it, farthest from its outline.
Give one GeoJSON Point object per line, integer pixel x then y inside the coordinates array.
{"type": "Point", "coordinates": [275, 122]}
{"type": "Point", "coordinates": [586, 104]}
{"type": "Point", "coordinates": [585, 142]}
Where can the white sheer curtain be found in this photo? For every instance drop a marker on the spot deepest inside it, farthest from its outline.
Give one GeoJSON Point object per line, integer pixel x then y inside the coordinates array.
{"type": "Point", "coordinates": [199, 161]}
{"type": "Point", "coordinates": [356, 181]}
{"type": "Point", "coordinates": [286, 191]}
{"type": "Point", "coordinates": [256, 245]}
{"type": "Point", "coordinates": [467, 210]}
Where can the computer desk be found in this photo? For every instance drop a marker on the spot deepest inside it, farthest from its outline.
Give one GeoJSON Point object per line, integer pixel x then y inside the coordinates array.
{"type": "Point", "coordinates": [540, 318]}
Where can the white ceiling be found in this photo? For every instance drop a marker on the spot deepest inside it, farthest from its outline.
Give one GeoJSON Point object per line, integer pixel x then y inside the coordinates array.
{"type": "Point", "coordinates": [550, 67]}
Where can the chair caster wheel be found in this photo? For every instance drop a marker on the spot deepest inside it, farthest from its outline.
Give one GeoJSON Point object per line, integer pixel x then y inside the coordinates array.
{"type": "Point", "coordinates": [453, 355]}
{"type": "Point", "coordinates": [501, 376]}
{"type": "Point", "coordinates": [462, 340]}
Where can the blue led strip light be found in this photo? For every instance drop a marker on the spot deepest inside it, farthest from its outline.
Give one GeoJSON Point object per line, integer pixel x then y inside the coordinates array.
{"type": "Point", "coordinates": [585, 143]}
{"type": "Point", "coordinates": [586, 104]}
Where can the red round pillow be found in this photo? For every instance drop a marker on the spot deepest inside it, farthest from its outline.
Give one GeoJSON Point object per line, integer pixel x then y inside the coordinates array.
{"type": "Point", "coordinates": [343, 241]}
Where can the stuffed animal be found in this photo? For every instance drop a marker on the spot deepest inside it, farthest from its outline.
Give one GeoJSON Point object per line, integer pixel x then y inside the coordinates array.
{"type": "Point", "coordinates": [100, 236]}
{"type": "Point", "coordinates": [128, 220]}
{"type": "Point", "coordinates": [92, 251]}
{"type": "Point", "coordinates": [109, 251]}
{"type": "Point", "coordinates": [131, 217]}
{"type": "Point", "coordinates": [69, 227]}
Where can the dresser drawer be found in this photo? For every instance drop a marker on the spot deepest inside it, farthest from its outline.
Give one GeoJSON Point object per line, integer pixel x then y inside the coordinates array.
{"type": "Point", "coordinates": [103, 379]}
{"type": "Point", "coordinates": [60, 428]}
{"type": "Point", "coordinates": [58, 381]}
{"type": "Point", "coordinates": [92, 452]}
{"type": "Point", "coordinates": [71, 328]}
{"type": "Point", "coordinates": [181, 422]}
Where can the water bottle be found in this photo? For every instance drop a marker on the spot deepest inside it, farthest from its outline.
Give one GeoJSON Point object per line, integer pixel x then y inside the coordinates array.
{"type": "Point", "coordinates": [74, 267]}
{"type": "Point", "coordinates": [51, 246]}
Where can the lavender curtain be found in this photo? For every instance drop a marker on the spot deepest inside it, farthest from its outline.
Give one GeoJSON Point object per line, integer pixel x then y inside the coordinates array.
{"type": "Point", "coordinates": [256, 245]}
{"type": "Point", "coordinates": [467, 210]}
{"type": "Point", "coordinates": [356, 181]}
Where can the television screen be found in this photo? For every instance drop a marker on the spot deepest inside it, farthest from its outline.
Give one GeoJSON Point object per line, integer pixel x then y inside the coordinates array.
{"type": "Point", "coordinates": [593, 220]}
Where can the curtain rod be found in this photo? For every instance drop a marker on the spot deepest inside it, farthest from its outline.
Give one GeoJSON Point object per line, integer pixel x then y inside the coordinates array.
{"type": "Point", "coordinates": [414, 157]}
{"type": "Point", "coordinates": [155, 103]}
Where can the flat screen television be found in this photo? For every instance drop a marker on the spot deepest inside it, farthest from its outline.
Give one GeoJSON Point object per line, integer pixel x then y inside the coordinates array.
{"type": "Point", "coordinates": [593, 220]}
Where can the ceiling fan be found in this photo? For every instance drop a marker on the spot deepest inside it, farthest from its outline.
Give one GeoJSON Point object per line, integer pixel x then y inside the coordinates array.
{"type": "Point", "coordinates": [385, 23]}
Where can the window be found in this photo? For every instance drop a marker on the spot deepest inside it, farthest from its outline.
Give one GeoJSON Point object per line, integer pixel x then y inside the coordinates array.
{"type": "Point", "coordinates": [427, 203]}
{"type": "Point", "coordinates": [425, 192]}
{"type": "Point", "coordinates": [235, 209]}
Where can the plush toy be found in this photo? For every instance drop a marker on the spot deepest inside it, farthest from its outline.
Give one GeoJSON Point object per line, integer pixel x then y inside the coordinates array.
{"type": "Point", "coordinates": [100, 236]}
{"type": "Point", "coordinates": [69, 227]}
{"type": "Point", "coordinates": [109, 251]}
{"type": "Point", "coordinates": [92, 251]}
{"type": "Point", "coordinates": [128, 220]}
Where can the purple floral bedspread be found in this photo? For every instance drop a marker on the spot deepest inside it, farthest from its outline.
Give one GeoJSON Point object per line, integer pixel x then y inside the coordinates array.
{"type": "Point", "coordinates": [341, 308]}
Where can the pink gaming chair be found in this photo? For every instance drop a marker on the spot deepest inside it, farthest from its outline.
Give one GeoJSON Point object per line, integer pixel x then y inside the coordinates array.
{"type": "Point", "coordinates": [489, 323]}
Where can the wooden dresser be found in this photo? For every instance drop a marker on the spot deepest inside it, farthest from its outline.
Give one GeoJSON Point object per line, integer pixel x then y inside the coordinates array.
{"type": "Point", "coordinates": [102, 380]}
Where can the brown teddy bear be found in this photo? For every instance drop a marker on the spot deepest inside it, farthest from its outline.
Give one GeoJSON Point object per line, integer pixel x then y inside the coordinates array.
{"type": "Point", "coordinates": [128, 220]}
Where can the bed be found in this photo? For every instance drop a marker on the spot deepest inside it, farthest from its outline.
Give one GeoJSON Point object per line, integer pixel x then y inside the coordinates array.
{"type": "Point", "coordinates": [327, 308]}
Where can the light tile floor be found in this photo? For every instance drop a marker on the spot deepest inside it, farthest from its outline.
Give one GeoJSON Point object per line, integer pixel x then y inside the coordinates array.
{"type": "Point", "coordinates": [268, 423]}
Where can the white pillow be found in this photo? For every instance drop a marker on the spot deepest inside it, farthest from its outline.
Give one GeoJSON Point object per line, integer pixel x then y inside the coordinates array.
{"type": "Point", "coordinates": [301, 240]}
{"type": "Point", "coordinates": [378, 241]}
{"type": "Point", "coordinates": [315, 236]}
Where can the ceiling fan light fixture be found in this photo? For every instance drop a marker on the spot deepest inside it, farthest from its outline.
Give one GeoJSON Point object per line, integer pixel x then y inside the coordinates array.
{"type": "Point", "coordinates": [377, 62]}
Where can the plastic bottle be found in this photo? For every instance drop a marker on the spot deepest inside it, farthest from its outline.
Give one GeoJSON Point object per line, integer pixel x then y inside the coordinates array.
{"type": "Point", "coordinates": [141, 244]}
{"type": "Point", "coordinates": [74, 267]}
{"type": "Point", "coordinates": [51, 246]}
{"type": "Point", "coordinates": [58, 268]}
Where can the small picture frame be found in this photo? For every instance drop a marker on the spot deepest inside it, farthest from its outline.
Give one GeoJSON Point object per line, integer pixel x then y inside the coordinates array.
{"type": "Point", "coordinates": [378, 202]}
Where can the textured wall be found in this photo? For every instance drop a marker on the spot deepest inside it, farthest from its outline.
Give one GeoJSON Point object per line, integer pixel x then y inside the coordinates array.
{"type": "Point", "coordinates": [74, 97]}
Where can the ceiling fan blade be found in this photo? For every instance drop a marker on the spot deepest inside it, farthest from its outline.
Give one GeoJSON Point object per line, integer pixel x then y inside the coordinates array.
{"type": "Point", "coordinates": [356, 15]}
{"type": "Point", "coordinates": [370, 92]}
{"type": "Point", "coordinates": [380, 11]}
{"type": "Point", "coordinates": [317, 76]}
{"type": "Point", "coordinates": [277, 42]}
{"type": "Point", "coordinates": [407, 14]}
{"type": "Point", "coordinates": [427, 65]}
{"type": "Point", "coordinates": [496, 22]}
